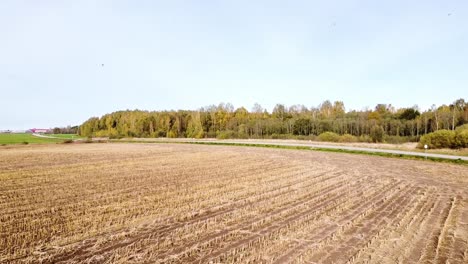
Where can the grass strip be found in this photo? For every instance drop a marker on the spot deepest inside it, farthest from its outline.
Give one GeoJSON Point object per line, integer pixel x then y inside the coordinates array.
{"type": "Point", "coordinates": [393, 155]}
{"type": "Point", "coordinates": [25, 138]}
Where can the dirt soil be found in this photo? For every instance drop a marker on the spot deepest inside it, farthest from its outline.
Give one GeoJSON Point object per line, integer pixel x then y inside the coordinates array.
{"type": "Point", "coordinates": [178, 203]}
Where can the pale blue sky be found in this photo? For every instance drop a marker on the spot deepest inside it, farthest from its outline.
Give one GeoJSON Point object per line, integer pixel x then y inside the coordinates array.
{"type": "Point", "coordinates": [161, 55]}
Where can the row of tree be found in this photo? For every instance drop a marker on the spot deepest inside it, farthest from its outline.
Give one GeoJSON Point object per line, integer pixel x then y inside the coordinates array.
{"type": "Point", "coordinates": [224, 121]}
{"type": "Point", "coordinates": [64, 130]}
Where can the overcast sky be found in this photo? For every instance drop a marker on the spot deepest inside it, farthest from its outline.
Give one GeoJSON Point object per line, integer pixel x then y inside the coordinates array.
{"type": "Point", "coordinates": [62, 62]}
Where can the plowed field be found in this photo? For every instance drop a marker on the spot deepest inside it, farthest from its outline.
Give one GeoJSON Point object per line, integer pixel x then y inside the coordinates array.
{"type": "Point", "coordinates": [176, 203]}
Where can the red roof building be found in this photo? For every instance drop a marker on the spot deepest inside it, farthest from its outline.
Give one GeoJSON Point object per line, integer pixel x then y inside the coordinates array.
{"type": "Point", "coordinates": [39, 130]}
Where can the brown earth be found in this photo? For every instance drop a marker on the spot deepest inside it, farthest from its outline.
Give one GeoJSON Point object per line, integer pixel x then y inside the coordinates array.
{"type": "Point", "coordinates": [175, 203]}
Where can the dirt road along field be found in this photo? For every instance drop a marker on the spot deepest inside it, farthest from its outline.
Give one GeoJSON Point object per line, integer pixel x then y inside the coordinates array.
{"type": "Point", "coordinates": [177, 203]}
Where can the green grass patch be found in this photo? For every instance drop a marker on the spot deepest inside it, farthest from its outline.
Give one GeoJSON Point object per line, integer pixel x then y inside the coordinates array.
{"type": "Point", "coordinates": [24, 138]}
{"type": "Point", "coordinates": [391, 155]}
{"type": "Point", "coordinates": [66, 136]}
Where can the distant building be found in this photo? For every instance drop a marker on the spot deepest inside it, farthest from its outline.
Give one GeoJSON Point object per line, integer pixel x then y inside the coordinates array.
{"type": "Point", "coordinates": [19, 131]}
{"type": "Point", "coordinates": [39, 130]}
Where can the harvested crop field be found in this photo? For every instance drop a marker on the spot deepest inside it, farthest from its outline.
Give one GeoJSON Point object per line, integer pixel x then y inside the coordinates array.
{"type": "Point", "coordinates": [177, 203]}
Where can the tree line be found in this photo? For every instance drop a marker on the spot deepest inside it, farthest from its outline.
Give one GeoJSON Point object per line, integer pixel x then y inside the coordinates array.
{"type": "Point", "coordinates": [64, 130]}
{"type": "Point", "coordinates": [382, 123]}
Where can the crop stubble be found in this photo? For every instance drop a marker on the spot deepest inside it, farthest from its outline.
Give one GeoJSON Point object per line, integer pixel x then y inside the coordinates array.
{"type": "Point", "coordinates": [121, 203]}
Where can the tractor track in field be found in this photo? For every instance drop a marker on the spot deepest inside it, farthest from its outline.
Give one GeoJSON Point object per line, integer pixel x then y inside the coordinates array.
{"type": "Point", "coordinates": [168, 227]}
